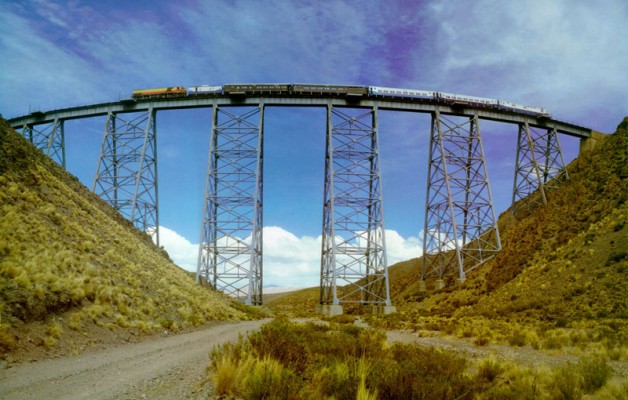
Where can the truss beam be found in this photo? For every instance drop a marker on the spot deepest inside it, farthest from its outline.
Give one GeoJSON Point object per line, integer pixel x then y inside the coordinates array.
{"type": "Point", "coordinates": [460, 225]}
{"type": "Point", "coordinates": [539, 167]}
{"type": "Point", "coordinates": [353, 257]}
{"type": "Point", "coordinates": [49, 138]}
{"type": "Point", "coordinates": [126, 176]}
{"type": "Point", "coordinates": [230, 253]}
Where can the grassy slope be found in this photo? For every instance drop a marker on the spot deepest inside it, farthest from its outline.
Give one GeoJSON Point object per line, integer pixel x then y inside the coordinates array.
{"type": "Point", "coordinates": [73, 265]}
{"type": "Point", "coordinates": [563, 262]}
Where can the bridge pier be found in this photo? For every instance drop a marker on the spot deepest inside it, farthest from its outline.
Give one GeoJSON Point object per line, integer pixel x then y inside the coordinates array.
{"type": "Point", "coordinates": [230, 252]}
{"type": "Point", "coordinates": [48, 137]}
{"type": "Point", "coordinates": [460, 225]}
{"type": "Point", "coordinates": [591, 142]}
{"type": "Point", "coordinates": [353, 255]}
{"type": "Point", "coordinates": [126, 176]}
{"type": "Point", "coordinates": [539, 166]}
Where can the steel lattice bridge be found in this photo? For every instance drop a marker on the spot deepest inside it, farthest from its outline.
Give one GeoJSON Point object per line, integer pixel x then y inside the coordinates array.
{"type": "Point", "coordinates": [460, 231]}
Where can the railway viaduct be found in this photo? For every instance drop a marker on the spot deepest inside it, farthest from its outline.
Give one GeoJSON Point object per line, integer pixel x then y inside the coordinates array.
{"type": "Point", "coordinates": [460, 224]}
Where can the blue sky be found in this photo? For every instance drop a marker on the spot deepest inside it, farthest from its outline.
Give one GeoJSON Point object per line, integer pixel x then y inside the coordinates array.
{"type": "Point", "coordinates": [564, 55]}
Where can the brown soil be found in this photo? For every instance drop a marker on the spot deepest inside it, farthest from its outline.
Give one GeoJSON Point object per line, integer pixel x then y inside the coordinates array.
{"type": "Point", "coordinates": [174, 366]}
{"type": "Point", "coordinates": [525, 356]}
{"type": "Point", "coordinates": [169, 367]}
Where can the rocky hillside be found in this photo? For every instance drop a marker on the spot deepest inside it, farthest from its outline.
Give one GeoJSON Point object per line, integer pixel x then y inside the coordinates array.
{"type": "Point", "coordinates": [565, 261]}
{"type": "Point", "coordinates": [560, 263]}
{"type": "Point", "coordinates": [73, 271]}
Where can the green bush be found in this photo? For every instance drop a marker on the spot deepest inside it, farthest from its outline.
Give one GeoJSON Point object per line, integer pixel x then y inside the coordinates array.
{"type": "Point", "coordinates": [268, 379]}
{"type": "Point", "coordinates": [489, 369]}
{"type": "Point", "coordinates": [518, 338]}
{"type": "Point", "coordinates": [566, 383]}
{"type": "Point", "coordinates": [343, 362]}
{"type": "Point", "coordinates": [595, 372]}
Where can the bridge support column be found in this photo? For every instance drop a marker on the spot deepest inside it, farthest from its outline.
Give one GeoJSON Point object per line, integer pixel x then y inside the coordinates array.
{"type": "Point", "coordinates": [460, 225]}
{"type": "Point", "coordinates": [539, 166]}
{"type": "Point", "coordinates": [353, 256]}
{"type": "Point", "coordinates": [49, 138]}
{"type": "Point", "coordinates": [592, 142]}
{"type": "Point", "coordinates": [126, 176]}
{"type": "Point", "coordinates": [230, 253]}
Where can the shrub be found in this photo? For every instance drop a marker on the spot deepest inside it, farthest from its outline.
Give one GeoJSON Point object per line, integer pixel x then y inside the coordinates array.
{"type": "Point", "coordinates": [75, 321]}
{"type": "Point", "coordinates": [555, 339]}
{"type": "Point", "coordinates": [595, 372]}
{"type": "Point", "coordinates": [566, 383]}
{"type": "Point", "coordinates": [422, 374]}
{"type": "Point", "coordinates": [55, 330]}
{"type": "Point", "coordinates": [268, 379]}
{"type": "Point", "coordinates": [482, 340]}
{"type": "Point", "coordinates": [616, 257]}
{"type": "Point", "coordinates": [50, 342]}
{"type": "Point", "coordinates": [7, 341]}
{"type": "Point", "coordinates": [613, 391]}
{"type": "Point", "coordinates": [517, 384]}
{"type": "Point", "coordinates": [343, 319]}
{"type": "Point", "coordinates": [489, 369]}
{"type": "Point", "coordinates": [335, 380]}
{"type": "Point", "coordinates": [518, 338]}
{"type": "Point", "coordinates": [229, 370]}
{"type": "Point", "coordinates": [347, 362]}
{"type": "Point", "coordinates": [285, 341]}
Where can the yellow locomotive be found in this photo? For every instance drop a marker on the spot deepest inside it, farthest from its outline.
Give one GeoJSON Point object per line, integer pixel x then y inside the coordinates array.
{"type": "Point", "coordinates": [158, 93]}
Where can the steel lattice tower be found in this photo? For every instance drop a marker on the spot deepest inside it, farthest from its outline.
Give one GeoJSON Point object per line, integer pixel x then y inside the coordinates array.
{"type": "Point", "coordinates": [460, 226]}
{"type": "Point", "coordinates": [540, 165]}
{"type": "Point", "coordinates": [230, 254]}
{"type": "Point", "coordinates": [353, 248]}
{"type": "Point", "coordinates": [49, 138]}
{"type": "Point", "coordinates": [126, 176]}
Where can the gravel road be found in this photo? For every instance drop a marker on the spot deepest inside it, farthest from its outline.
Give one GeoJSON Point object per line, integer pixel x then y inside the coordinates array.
{"type": "Point", "coordinates": [160, 368]}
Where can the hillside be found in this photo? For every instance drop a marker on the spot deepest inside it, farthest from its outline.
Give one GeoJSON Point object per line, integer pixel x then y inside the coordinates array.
{"type": "Point", "coordinates": [74, 273]}
{"type": "Point", "coordinates": [562, 263]}
{"type": "Point", "coordinates": [565, 261]}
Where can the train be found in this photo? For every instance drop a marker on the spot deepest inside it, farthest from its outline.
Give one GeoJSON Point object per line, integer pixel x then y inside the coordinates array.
{"type": "Point", "coordinates": [349, 92]}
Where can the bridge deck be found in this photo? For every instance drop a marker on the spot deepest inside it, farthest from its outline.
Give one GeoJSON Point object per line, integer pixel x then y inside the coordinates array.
{"type": "Point", "coordinates": [130, 105]}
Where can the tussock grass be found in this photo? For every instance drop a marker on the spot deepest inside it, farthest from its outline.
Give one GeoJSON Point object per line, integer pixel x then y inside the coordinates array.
{"type": "Point", "coordinates": [66, 255]}
{"type": "Point", "coordinates": [559, 282]}
{"type": "Point", "coordinates": [590, 376]}
{"type": "Point", "coordinates": [314, 361]}
{"type": "Point", "coordinates": [291, 360]}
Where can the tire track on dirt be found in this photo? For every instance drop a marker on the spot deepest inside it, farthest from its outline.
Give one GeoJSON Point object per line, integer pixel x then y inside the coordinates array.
{"type": "Point", "coordinates": [127, 371]}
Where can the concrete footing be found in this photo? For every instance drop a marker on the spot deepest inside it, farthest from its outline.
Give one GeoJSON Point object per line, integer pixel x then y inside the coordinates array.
{"type": "Point", "coordinates": [422, 286]}
{"type": "Point", "coordinates": [439, 284]}
{"type": "Point", "coordinates": [384, 310]}
{"type": "Point", "coordinates": [592, 142]}
{"type": "Point", "coordinates": [460, 281]}
{"type": "Point", "coordinates": [329, 310]}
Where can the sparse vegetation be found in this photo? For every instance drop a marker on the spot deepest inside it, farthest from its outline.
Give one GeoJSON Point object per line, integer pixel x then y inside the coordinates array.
{"type": "Point", "coordinates": [558, 286]}
{"type": "Point", "coordinates": [69, 262]}
{"type": "Point", "coordinates": [289, 360]}
{"type": "Point", "coordinates": [312, 361]}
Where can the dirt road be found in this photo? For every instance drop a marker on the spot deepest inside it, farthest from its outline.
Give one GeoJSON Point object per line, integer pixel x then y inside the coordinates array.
{"type": "Point", "coordinates": [161, 368]}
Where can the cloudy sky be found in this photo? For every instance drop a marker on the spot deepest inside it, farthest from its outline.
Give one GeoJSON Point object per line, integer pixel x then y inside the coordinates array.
{"type": "Point", "coordinates": [568, 56]}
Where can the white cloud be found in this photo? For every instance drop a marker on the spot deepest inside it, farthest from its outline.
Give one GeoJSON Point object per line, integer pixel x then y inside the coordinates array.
{"type": "Point", "coordinates": [563, 55]}
{"type": "Point", "coordinates": [399, 248]}
{"type": "Point", "coordinates": [289, 261]}
{"type": "Point", "coordinates": [183, 252]}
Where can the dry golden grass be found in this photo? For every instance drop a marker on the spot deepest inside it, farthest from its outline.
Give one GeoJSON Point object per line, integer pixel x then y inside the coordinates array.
{"type": "Point", "coordinates": [70, 261]}
{"type": "Point", "coordinates": [560, 281]}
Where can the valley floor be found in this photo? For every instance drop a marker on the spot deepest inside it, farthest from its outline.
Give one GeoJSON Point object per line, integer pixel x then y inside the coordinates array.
{"type": "Point", "coordinates": [174, 366]}
{"type": "Point", "coordinates": [160, 368]}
